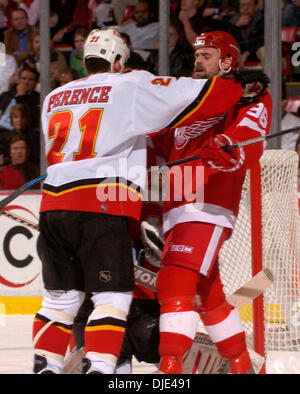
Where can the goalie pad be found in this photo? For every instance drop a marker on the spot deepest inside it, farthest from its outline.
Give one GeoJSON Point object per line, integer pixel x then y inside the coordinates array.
{"type": "Point", "coordinates": [152, 243]}
{"type": "Point", "coordinates": [203, 358]}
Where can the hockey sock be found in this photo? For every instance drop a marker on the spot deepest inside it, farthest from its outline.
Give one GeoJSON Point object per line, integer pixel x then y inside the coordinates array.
{"type": "Point", "coordinates": [51, 336]}
{"type": "Point", "coordinates": [221, 320]}
{"type": "Point", "coordinates": [225, 329]}
{"type": "Point", "coordinates": [104, 332]}
{"type": "Point", "coordinates": [52, 328]}
{"type": "Point", "coordinates": [178, 320]}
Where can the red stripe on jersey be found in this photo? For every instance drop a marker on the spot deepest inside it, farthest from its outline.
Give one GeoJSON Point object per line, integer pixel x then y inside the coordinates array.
{"type": "Point", "coordinates": [85, 199]}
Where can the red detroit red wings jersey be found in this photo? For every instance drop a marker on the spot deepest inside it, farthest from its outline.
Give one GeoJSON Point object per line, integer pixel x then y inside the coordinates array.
{"type": "Point", "coordinates": [95, 134]}
{"type": "Point", "coordinates": [221, 191]}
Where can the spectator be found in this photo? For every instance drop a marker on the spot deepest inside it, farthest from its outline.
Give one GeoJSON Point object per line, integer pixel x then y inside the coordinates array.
{"type": "Point", "coordinates": [180, 61]}
{"type": "Point", "coordinates": [10, 179]}
{"type": "Point", "coordinates": [32, 7]}
{"type": "Point", "coordinates": [76, 58]}
{"type": "Point", "coordinates": [67, 75]}
{"type": "Point", "coordinates": [290, 13]}
{"type": "Point", "coordinates": [290, 119]}
{"type": "Point", "coordinates": [215, 7]}
{"type": "Point", "coordinates": [18, 154]}
{"type": "Point", "coordinates": [3, 17]}
{"type": "Point", "coordinates": [174, 8]}
{"type": "Point", "coordinates": [100, 11]}
{"type": "Point", "coordinates": [6, 9]}
{"type": "Point", "coordinates": [70, 15]}
{"type": "Point", "coordinates": [248, 29]}
{"type": "Point", "coordinates": [20, 117]}
{"type": "Point", "coordinates": [135, 60]}
{"type": "Point", "coordinates": [57, 60]}
{"type": "Point", "coordinates": [18, 39]}
{"type": "Point", "coordinates": [24, 93]}
{"type": "Point", "coordinates": [7, 72]}
{"type": "Point", "coordinates": [143, 32]}
{"type": "Point", "coordinates": [190, 22]}
{"type": "Point", "coordinates": [119, 7]}
{"type": "Point", "coordinates": [218, 12]}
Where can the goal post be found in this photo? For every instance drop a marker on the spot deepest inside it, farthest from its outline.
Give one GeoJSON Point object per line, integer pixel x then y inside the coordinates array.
{"type": "Point", "coordinates": [257, 256]}
{"type": "Point", "coordinates": [267, 235]}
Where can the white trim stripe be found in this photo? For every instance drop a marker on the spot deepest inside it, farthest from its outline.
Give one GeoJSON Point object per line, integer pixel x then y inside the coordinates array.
{"type": "Point", "coordinates": [227, 328]}
{"type": "Point", "coordinates": [210, 251]}
{"type": "Point", "coordinates": [184, 323]}
{"type": "Point", "coordinates": [198, 212]}
{"type": "Point", "coordinates": [252, 125]}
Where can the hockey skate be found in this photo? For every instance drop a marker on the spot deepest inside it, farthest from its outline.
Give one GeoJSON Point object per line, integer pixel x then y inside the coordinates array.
{"type": "Point", "coordinates": [87, 368]}
{"type": "Point", "coordinates": [40, 366]}
{"type": "Point", "coordinates": [170, 365]}
{"type": "Point", "coordinates": [241, 365]}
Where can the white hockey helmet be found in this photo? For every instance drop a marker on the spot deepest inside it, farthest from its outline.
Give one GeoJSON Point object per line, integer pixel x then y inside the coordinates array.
{"type": "Point", "coordinates": [106, 44]}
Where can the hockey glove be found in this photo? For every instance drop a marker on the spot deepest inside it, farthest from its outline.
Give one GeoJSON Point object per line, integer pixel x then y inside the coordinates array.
{"type": "Point", "coordinates": [213, 155]}
{"type": "Point", "coordinates": [253, 83]}
{"type": "Point", "coordinates": [152, 242]}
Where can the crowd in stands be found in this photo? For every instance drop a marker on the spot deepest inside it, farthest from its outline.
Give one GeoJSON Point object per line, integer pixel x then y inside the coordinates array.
{"type": "Point", "coordinates": [137, 21]}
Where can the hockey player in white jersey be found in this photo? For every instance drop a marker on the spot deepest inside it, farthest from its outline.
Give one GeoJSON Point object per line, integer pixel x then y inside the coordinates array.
{"type": "Point", "coordinates": [95, 141]}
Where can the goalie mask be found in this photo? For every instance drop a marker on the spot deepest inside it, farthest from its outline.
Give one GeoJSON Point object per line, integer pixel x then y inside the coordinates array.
{"type": "Point", "coordinates": [224, 42]}
{"type": "Point", "coordinates": [106, 44]}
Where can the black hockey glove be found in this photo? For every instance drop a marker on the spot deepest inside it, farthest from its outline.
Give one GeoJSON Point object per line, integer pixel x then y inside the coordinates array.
{"type": "Point", "coordinates": [253, 82]}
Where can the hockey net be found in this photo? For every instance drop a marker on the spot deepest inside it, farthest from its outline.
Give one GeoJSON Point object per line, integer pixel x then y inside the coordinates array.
{"type": "Point", "coordinates": [272, 323]}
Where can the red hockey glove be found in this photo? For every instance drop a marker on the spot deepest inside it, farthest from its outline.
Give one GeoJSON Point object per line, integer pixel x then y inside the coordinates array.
{"type": "Point", "coordinates": [213, 155]}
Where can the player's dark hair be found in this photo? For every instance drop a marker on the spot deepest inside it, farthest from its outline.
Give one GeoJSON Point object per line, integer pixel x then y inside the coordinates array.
{"type": "Point", "coordinates": [96, 64]}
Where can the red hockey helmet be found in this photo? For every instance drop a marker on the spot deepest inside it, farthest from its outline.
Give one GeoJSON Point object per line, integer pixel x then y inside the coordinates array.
{"type": "Point", "coordinates": [221, 40]}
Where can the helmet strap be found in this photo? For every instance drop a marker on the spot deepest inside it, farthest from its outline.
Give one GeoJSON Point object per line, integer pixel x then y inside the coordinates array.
{"type": "Point", "coordinates": [222, 71]}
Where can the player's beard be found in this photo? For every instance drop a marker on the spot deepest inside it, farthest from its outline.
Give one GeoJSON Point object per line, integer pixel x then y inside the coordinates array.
{"type": "Point", "coordinates": [202, 73]}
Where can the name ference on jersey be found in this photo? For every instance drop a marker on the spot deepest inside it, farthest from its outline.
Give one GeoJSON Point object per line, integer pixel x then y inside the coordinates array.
{"type": "Point", "coordinates": [97, 94]}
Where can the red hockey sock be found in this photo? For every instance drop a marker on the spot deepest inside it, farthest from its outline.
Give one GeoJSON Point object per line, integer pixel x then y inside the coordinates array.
{"type": "Point", "coordinates": [224, 327]}
{"type": "Point", "coordinates": [54, 339]}
{"type": "Point", "coordinates": [105, 335]}
{"type": "Point", "coordinates": [178, 321]}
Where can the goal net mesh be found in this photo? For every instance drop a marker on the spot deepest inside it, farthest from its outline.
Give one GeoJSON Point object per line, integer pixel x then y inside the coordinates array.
{"type": "Point", "coordinates": [280, 251]}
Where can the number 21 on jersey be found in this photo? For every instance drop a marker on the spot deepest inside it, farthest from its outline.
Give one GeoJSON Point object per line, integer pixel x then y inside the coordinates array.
{"type": "Point", "coordinates": [59, 128]}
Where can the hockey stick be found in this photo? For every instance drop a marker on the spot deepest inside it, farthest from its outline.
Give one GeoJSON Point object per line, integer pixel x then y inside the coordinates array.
{"type": "Point", "coordinates": [21, 190]}
{"type": "Point", "coordinates": [226, 148]}
{"type": "Point", "coordinates": [244, 295]}
{"type": "Point", "coordinates": [260, 139]}
{"type": "Point", "coordinates": [40, 178]}
{"type": "Point", "coordinates": [19, 219]}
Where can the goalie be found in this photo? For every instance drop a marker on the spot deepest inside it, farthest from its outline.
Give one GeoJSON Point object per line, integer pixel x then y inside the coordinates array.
{"type": "Point", "coordinates": [195, 229]}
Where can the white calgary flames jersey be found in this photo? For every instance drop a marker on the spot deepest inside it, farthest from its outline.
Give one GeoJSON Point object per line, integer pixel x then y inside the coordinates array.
{"type": "Point", "coordinates": [95, 135]}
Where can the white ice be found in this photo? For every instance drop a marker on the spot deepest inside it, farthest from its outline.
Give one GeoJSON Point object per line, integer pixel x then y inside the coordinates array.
{"type": "Point", "coordinates": [16, 346]}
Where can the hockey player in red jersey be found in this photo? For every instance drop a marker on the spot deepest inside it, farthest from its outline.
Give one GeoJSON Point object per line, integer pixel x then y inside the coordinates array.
{"type": "Point", "coordinates": [95, 141]}
{"type": "Point", "coordinates": [195, 230]}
